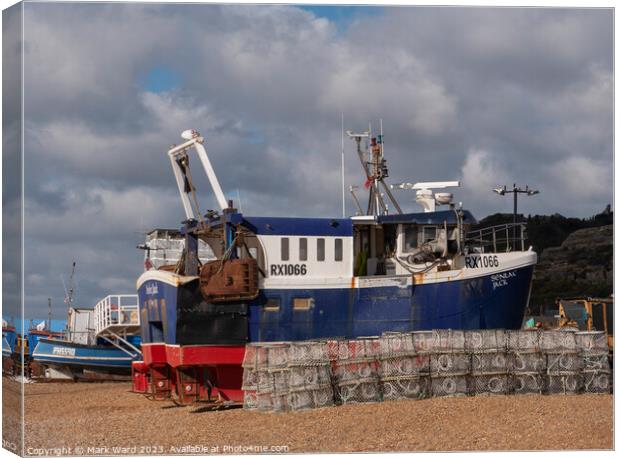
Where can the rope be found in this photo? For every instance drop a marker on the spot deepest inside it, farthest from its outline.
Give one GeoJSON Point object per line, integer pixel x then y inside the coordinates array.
{"type": "Point", "coordinates": [410, 269]}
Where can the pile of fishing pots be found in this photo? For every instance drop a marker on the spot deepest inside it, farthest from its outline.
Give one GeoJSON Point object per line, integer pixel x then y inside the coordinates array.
{"type": "Point", "coordinates": [449, 362]}
{"type": "Point", "coordinates": [279, 377]}
{"type": "Point", "coordinates": [266, 377]}
{"type": "Point", "coordinates": [564, 362]}
{"type": "Point", "coordinates": [489, 362]}
{"type": "Point", "coordinates": [310, 381]}
{"type": "Point", "coordinates": [404, 370]}
{"type": "Point", "coordinates": [304, 375]}
{"type": "Point", "coordinates": [528, 364]}
{"type": "Point", "coordinates": [594, 350]}
{"type": "Point", "coordinates": [355, 370]}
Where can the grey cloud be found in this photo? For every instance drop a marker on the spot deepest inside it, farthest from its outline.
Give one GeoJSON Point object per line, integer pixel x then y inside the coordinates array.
{"type": "Point", "coordinates": [474, 93]}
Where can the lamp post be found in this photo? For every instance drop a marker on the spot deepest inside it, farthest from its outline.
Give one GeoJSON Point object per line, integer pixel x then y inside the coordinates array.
{"type": "Point", "coordinates": [515, 191]}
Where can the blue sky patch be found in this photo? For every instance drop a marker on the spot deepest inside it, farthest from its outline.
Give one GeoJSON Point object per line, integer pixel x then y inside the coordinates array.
{"type": "Point", "coordinates": [57, 325]}
{"type": "Point", "coordinates": [342, 15]}
{"type": "Point", "coordinates": [161, 79]}
{"type": "Point", "coordinates": [255, 136]}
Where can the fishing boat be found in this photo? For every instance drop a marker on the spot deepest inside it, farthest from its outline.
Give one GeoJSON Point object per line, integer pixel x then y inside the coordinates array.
{"type": "Point", "coordinates": [291, 278]}
{"type": "Point", "coordinates": [6, 347]}
{"type": "Point", "coordinates": [98, 343]}
{"type": "Point", "coordinates": [35, 333]}
{"type": "Point", "coordinates": [9, 339]}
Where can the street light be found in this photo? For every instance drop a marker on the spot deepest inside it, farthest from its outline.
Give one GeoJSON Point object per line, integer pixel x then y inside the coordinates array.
{"type": "Point", "coordinates": [515, 191]}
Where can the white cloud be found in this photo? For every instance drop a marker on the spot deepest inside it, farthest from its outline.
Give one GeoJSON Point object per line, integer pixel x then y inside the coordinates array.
{"type": "Point", "coordinates": [395, 79]}
{"type": "Point", "coordinates": [266, 86]}
{"type": "Point", "coordinates": [102, 213]}
{"type": "Point", "coordinates": [580, 178]}
{"type": "Point", "coordinates": [480, 174]}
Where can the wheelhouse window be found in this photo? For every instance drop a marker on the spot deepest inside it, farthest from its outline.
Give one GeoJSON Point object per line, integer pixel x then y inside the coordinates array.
{"type": "Point", "coordinates": [272, 305]}
{"type": "Point", "coordinates": [411, 239]}
{"type": "Point", "coordinates": [284, 248]}
{"type": "Point", "coordinates": [302, 303]}
{"type": "Point", "coordinates": [320, 249]}
{"type": "Point", "coordinates": [429, 233]}
{"type": "Point", "coordinates": [303, 249]}
{"type": "Point", "coordinates": [338, 250]}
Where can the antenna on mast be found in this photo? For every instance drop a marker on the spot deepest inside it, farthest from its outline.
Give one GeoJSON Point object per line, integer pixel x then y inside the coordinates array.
{"type": "Point", "coordinates": [69, 293]}
{"type": "Point", "coordinates": [424, 193]}
{"type": "Point", "coordinates": [376, 171]}
{"type": "Point", "coordinates": [239, 200]}
{"type": "Point", "coordinates": [357, 202]}
{"type": "Point", "coordinates": [49, 313]}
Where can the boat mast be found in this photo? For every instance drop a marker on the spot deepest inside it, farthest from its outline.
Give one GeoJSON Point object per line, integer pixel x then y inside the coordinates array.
{"type": "Point", "coordinates": [375, 167]}
{"type": "Point", "coordinates": [49, 313]}
{"type": "Point", "coordinates": [342, 161]}
{"type": "Point", "coordinates": [68, 295]}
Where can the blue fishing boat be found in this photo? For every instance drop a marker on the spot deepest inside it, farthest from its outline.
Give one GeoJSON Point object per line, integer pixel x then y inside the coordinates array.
{"type": "Point", "coordinates": [6, 348]}
{"type": "Point", "coordinates": [9, 339]}
{"type": "Point", "coordinates": [77, 357]}
{"type": "Point", "coordinates": [98, 342]}
{"type": "Point", "coordinates": [35, 335]}
{"type": "Point", "coordinates": [289, 278]}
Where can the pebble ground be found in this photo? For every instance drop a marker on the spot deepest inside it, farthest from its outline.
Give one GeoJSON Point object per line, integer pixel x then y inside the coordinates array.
{"type": "Point", "coordinates": [99, 417]}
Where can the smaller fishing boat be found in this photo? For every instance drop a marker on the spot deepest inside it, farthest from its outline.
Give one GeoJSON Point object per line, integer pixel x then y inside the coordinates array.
{"type": "Point", "coordinates": [9, 338]}
{"type": "Point", "coordinates": [99, 343]}
{"type": "Point", "coordinates": [35, 333]}
{"type": "Point", "coordinates": [6, 348]}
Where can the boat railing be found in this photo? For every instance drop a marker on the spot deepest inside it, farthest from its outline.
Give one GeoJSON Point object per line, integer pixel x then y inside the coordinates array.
{"type": "Point", "coordinates": [117, 312]}
{"type": "Point", "coordinates": [497, 239]}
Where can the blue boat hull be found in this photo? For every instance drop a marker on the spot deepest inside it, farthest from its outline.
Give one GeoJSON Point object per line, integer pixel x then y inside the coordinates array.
{"type": "Point", "coordinates": [169, 314]}
{"type": "Point", "coordinates": [11, 338]}
{"type": "Point", "coordinates": [102, 358]}
{"type": "Point", "coordinates": [6, 348]}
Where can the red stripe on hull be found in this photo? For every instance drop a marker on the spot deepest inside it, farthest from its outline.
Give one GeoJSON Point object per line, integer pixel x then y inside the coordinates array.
{"type": "Point", "coordinates": [192, 355]}
{"type": "Point", "coordinates": [154, 353]}
{"type": "Point", "coordinates": [186, 363]}
{"type": "Point", "coordinates": [204, 355]}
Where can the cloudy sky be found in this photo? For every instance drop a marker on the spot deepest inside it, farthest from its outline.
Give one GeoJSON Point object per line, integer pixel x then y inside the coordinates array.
{"type": "Point", "coordinates": [486, 96]}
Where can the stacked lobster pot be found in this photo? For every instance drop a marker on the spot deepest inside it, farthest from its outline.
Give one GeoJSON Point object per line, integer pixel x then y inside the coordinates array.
{"type": "Point", "coordinates": [279, 374]}
{"type": "Point", "coordinates": [403, 372]}
{"type": "Point", "coordinates": [355, 370]}
{"type": "Point", "coordinates": [594, 350]}
{"type": "Point", "coordinates": [489, 362]}
{"type": "Point", "coordinates": [250, 375]}
{"type": "Point", "coordinates": [564, 363]}
{"type": "Point", "coordinates": [527, 364]}
{"type": "Point", "coordinates": [449, 362]}
{"type": "Point", "coordinates": [266, 377]}
{"type": "Point", "coordinates": [310, 384]}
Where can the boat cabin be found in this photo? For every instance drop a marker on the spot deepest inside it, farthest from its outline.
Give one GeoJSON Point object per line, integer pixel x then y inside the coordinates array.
{"type": "Point", "coordinates": [350, 247]}
{"type": "Point", "coordinates": [80, 326]}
